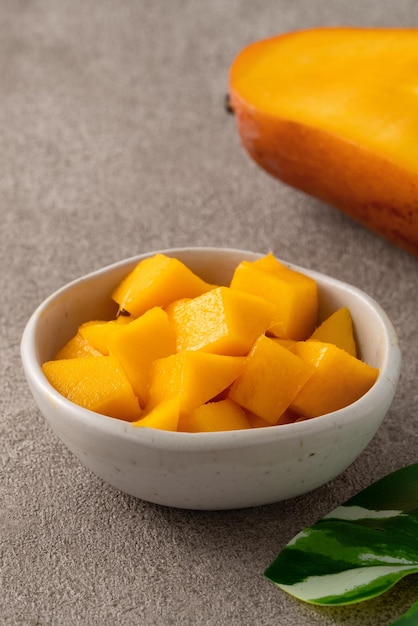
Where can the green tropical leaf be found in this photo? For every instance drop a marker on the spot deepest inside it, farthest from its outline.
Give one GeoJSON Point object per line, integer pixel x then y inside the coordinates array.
{"type": "Point", "coordinates": [359, 550]}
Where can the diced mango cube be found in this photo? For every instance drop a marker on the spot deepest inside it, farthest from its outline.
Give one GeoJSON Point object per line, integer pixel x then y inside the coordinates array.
{"type": "Point", "coordinates": [221, 321]}
{"type": "Point", "coordinates": [288, 417]}
{"type": "Point", "coordinates": [269, 263]}
{"type": "Point", "coordinates": [195, 377]}
{"type": "Point", "coordinates": [97, 333]}
{"type": "Point", "coordinates": [271, 378]}
{"type": "Point", "coordinates": [189, 356]}
{"type": "Point", "coordinates": [214, 417]}
{"type": "Point", "coordinates": [77, 346]}
{"type": "Point", "coordinates": [157, 281]}
{"type": "Point", "coordinates": [289, 344]}
{"type": "Point", "coordinates": [137, 344]}
{"type": "Point", "coordinates": [338, 380]}
{"type": "Point", "coordinates": [95, 383]}
{"type": "Point", "coordinates": [294, 295]}
{"type": "Point", "coordinates": [256, 421]}
{"type": "Point", "coordinates": [337, 329]}
{"type": "Point", "coordinates": [164, 416]}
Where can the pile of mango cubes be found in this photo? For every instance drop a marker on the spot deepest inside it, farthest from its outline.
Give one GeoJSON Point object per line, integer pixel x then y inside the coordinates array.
{"type": "Point", "coordinates": [185, 355]}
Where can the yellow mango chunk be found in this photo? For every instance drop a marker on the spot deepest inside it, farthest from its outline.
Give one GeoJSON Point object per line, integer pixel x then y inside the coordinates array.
{"type": "Point", "coordinates": [271, 378]}
{"type": "Point", "coordinates": [165, 416]}
{"type": "Point", "coordinates": [294, 295]}
{"type": "Point", "coordinates": [221, 321]}
{"type": "Point", "coordinates": [288, 417]}
{"type": "Point", "coordinates": [189, 356]}
{"type": "Point", "coordinates": [194, 377]}
{"type": "Point", "coordinates": [214, 417]}
{"type": "Point", "coordinates": [337, 329]}
{"type": "Point", "coordinates": [157, 281]}
{"type": "Point", "coordinates": [339, 379]}
{"type": "Point", "coordinates": [137, 344]}
{"type": "Point", "coordinates": [95, 383]}
{"type": "Point", "coordinates": [289, 344]}
{"type": "Point", "coordinates": [97, 333]}
{"type": "Point", "coordinates": [76, 347]}
{"type": "Point", "coordinates": [269, 263]}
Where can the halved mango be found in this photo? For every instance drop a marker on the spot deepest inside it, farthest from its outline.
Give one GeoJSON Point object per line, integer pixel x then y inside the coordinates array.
{"type": "Point", "coordinates": [333, 112]}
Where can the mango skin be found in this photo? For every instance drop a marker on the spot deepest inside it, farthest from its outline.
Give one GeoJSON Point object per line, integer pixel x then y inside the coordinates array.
{"type": "Point", "coordinates": [375, 187]}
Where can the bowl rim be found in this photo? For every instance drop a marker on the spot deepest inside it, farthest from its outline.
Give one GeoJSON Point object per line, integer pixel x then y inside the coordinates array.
{"type": "Point", "coordinates": [389, 374]}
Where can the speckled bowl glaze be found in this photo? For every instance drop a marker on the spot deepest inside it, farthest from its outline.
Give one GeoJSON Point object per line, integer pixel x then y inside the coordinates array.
{"type": "Point", "coordinates": [210, 471]}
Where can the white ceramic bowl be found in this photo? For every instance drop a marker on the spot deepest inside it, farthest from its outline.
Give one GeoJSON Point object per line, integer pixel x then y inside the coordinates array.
{"type": "Point", "coordinates": [210, 470]}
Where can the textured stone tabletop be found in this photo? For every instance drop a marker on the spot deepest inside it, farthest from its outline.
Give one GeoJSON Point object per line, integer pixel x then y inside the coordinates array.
{"type": "Point", "coordinates": [115, 141]}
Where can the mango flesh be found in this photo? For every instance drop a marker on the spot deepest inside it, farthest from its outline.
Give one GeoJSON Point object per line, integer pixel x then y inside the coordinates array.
{"type": "Point", "coordinates": [215, 417]}
{"type": "Point", "coordinates": [192, 376]}
{"type": "Point", "coordinates": [96, 383]}
{"type": "Point", "coordinates": [211, 361]}
{"type": "Point", "coordinates": [77, 346]}
{"type": "Point", "coordinates": [337, 329]}
{"type": "Point", "coordinates": [157, 281]}
{"type": "Point", "coordinates": [164, 416]}
{"type": "Point", "coordinates": [338, 380]}
{"type": "Point", "coordinates": [97, 333]}
{"type": "Point", "coordinates": [334, 113]}
{"type": "Point", "coordinates": [138, 344]}
{"type": "Point", "coordinates": [271, 378]}
{"type": "Point", "coordinates": [288, 417]}
{"type": "Point", "coordinates": [293, 295]}
{"type": "Point", "coordinates": [222, 321]}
